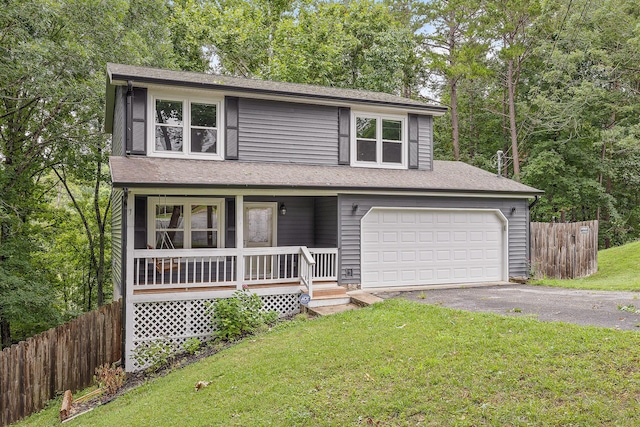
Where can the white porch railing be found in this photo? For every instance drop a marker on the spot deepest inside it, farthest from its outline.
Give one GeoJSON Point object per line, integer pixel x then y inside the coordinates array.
{"type": "Point", "coordinates": [307, 265]}
{"type": "Point", "coordinates": [192, 268]}
{"type": "Point", "coordinates": [157, 269]}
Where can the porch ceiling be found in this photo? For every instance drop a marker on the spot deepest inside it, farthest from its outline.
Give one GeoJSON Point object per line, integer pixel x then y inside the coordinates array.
{"type": "Point", "coordinates": [446, 176]}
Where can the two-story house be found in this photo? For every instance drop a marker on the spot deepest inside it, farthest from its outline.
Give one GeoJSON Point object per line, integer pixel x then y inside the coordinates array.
{"type": "Point", "coordinates": [221, 182]}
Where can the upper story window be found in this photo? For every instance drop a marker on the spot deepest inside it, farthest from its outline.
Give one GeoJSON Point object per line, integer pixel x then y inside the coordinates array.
{"type": "Point", "coordinates": [378, 141]}
{"type": "Point", "coordinates": [186, 126]}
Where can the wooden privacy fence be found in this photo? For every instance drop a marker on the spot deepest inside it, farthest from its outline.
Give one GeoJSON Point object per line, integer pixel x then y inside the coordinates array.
{"type": "Point", "coordinates": [65, 357]}
{"type": "Point", "coordinates": [564, 250]}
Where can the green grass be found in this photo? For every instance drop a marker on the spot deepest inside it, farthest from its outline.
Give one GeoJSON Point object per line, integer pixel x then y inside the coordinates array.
{"type": "Point", "coordinates": [397, 363]}
{"type": "Point", "coordinates": [618, 270]}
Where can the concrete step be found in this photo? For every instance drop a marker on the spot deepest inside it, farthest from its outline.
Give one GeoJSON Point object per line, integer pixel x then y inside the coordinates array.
{"type": "Point", "coordinates": [363, 299]}
{"type": "Point", "coordinates": [328, 301]}
{"type": "Point", "coordinates": [325, 311]}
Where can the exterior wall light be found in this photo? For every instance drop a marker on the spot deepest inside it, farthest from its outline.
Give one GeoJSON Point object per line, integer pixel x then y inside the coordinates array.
{"type": "Point", "coordinates": [283, 209]}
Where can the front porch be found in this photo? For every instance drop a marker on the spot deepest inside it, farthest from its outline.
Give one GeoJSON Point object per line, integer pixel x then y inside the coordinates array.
{"type": "Point", "coordinates": [220, 272]}
{"type": "Point", "coordinates": [183, 249]}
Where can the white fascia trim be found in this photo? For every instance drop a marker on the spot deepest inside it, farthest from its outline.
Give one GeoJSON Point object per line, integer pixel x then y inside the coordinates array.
{"type": "Point", "coordinates": [278, 192]}
{"type": "Point", "coordinates": [186, 97]}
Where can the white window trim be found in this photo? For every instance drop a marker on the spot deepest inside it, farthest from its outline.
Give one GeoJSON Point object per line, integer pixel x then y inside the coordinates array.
{"type": "Point", "coordinates": [152, 202]}
{"type": "Point", "coordinates": [186, 120]}
{"type": "Point", "coordinates": [379, 117]}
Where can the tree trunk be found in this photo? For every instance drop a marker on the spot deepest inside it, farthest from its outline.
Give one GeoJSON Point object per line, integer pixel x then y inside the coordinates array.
{"type": "Point", "coordinates": [454, 118]}
{"type": "Point", "coordinates": [5, 333]}
{"type": "Point", "coordinates": [511, 92]}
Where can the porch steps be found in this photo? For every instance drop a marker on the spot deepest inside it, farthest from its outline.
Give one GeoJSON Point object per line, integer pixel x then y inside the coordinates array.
{"type": "Point", "coordinates": [332, 309]}
{"type": "Point", "coordinates": [329, 298]}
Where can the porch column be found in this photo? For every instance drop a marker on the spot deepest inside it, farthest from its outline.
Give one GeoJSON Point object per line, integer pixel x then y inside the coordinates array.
{"type": "Point", "coordinates": [239, 241]}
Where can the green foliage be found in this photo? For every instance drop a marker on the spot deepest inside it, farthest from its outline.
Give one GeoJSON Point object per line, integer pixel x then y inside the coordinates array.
{"type": "Point", "coordinates": [192, 345]}
{"type": "Point", "coordinates": [239, 315]}
{"type": "Point", "coordinates": [109, 378]}
{"type": "Point", "coordinates": [155, 354]}
{"type": "Point", "coordinates": [444, 368]}
{"type": "Point", "coordinates": [617, 271]}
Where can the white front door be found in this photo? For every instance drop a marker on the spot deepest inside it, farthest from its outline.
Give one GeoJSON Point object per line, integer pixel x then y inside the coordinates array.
{"type": "Point", "coordinates": [260, 231]}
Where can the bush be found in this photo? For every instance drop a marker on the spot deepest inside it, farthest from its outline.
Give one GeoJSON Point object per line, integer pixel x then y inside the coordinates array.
{"type": "Point", "coordinates": [239, 315]}
{"type": "Point", "coordinates": [192, 345]}
{"type": "Point", "coordinates": [156, 354]}
{"type": "Point", "coordinates": [109, 378]}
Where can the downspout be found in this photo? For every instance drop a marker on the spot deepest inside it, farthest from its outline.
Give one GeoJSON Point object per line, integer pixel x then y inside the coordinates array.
{"type": "Point", "coordinates": [123, 275]}
{"type": "Point", "coordinates": [128, 137]}
{"type": "Point", "coordinates": [535, 202]}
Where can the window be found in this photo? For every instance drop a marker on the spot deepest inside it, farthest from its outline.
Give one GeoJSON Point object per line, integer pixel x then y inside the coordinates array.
{"type": "Point", "coordinates": [183, 223]}
{"type": "Point", "coordinates": [186, 126]}
{"type": "Point", "coordinates": [378, 141]}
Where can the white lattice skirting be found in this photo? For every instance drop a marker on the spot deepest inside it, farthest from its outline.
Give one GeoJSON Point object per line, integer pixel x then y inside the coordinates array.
{"type": "Point", "coordinates": [176, 321]}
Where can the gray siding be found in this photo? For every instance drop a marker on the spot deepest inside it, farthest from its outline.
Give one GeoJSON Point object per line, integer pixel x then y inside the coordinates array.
{"type": "Point", "coordinates": [271, 131]}
{"type": "Point", "coordinates": [350, 225]}
{"type": "Point", "coordinates": [425, 143]}
{"type": "Point", "coordinates": [116, 242]}
{"type": "Point", "coordinates": [326, 222]}
{"type": "Point", "coordinates": [117, 137]}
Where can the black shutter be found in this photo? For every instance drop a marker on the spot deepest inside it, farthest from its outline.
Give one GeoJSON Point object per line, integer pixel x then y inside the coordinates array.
{"type": "Point", "coordinates": [137, 143]}
{"type": "Point", "coordinates": [344, 135]}
{"type": "Point", "coordinates": [413, 141]}
{"type": "Point", "coordinates": [231, 127]}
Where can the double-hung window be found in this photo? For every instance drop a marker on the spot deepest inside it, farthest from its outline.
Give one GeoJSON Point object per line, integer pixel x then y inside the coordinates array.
{"type": "Point", "coordinates": [186, 127]}
{"type": "Point", "coordinates": [183, 223]}
{"type": "Point", "coordinates": [378, 141]}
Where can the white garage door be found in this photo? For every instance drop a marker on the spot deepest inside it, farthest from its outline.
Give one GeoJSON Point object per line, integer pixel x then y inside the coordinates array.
{"type": "Point", "coordinates": [408, 247]}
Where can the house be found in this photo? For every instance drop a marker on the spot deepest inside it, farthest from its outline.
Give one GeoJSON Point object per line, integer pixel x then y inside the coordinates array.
{"type": "Point", "coordinates": [220, 182]}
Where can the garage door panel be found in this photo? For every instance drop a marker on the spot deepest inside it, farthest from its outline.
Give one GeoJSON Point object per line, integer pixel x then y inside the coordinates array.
{"type": "Point", "coordinates": [423, 247]}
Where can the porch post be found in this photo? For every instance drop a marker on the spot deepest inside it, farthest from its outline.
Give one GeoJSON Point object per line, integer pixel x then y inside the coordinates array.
{"type": "Point", "coordinates": [239, 241]}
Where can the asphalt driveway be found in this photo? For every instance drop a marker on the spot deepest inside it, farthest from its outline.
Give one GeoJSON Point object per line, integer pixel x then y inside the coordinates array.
{"type": "Point", "coordinates": [596, 308]}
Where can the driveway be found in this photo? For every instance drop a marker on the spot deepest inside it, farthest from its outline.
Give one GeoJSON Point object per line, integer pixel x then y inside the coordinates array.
{"type": "Point", "coordinates": [595, 308]}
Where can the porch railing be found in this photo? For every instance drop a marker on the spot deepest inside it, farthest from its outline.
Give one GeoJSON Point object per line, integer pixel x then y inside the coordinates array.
{"type": "Point", "coordinates": [157, 269]}
{"type": "Point", "coordinates": [193, 268]}
{"type": "Point", "coordinates": [307, 265]}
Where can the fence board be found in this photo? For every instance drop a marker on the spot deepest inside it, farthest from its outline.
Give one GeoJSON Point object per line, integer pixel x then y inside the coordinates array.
{"type": "Point", "coordinates": [564, 250]}
{"type": "Point", "coordinates": [65, 357]}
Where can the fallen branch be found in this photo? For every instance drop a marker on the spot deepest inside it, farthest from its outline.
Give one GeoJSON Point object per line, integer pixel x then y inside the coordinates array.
{"type": "Point", "coordinates": [66, 405]}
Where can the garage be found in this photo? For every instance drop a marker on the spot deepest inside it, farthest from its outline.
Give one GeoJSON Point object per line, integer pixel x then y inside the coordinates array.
{"type": "Point", "coordinates": [421, 246]}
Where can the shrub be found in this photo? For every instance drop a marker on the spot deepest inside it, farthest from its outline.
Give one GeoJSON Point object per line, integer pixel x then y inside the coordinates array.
{"type": "Point", "coordinates": [157, 354]}
{"type": "Point", "coordinates": [239, 315]}
{"type": "Point", "coordinates": [192, 345]}
{"type": "Point", "coordinates": [109, 378]}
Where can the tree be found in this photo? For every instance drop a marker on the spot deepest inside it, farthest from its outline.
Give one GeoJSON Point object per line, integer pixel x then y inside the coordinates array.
{"type": "Point", "coordinates": [456, 51]}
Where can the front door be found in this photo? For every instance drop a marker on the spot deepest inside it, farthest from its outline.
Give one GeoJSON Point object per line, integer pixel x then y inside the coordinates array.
{"type": "Point", "coordinates": [260, 223]}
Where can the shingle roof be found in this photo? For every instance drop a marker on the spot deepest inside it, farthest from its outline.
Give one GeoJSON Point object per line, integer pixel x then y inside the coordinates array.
{"type": "Point", "coordinates": [122, 73]}
{"type": "Point", "coordinates": [447, 176]}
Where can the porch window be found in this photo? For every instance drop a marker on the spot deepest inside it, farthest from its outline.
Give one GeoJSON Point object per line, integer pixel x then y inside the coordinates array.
{"type": "Point", "coordinates": [379, 141]}
{"type": "Point", "coordinates": [186, 126]}
{"type": "Point", "coordinates": [183, 223]}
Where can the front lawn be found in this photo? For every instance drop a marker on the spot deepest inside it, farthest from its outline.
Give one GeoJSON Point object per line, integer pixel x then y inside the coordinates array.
{"type": "Point", "coordinates": [397, 363]}
{"type": "Point", "coordinates": [618, 270]}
